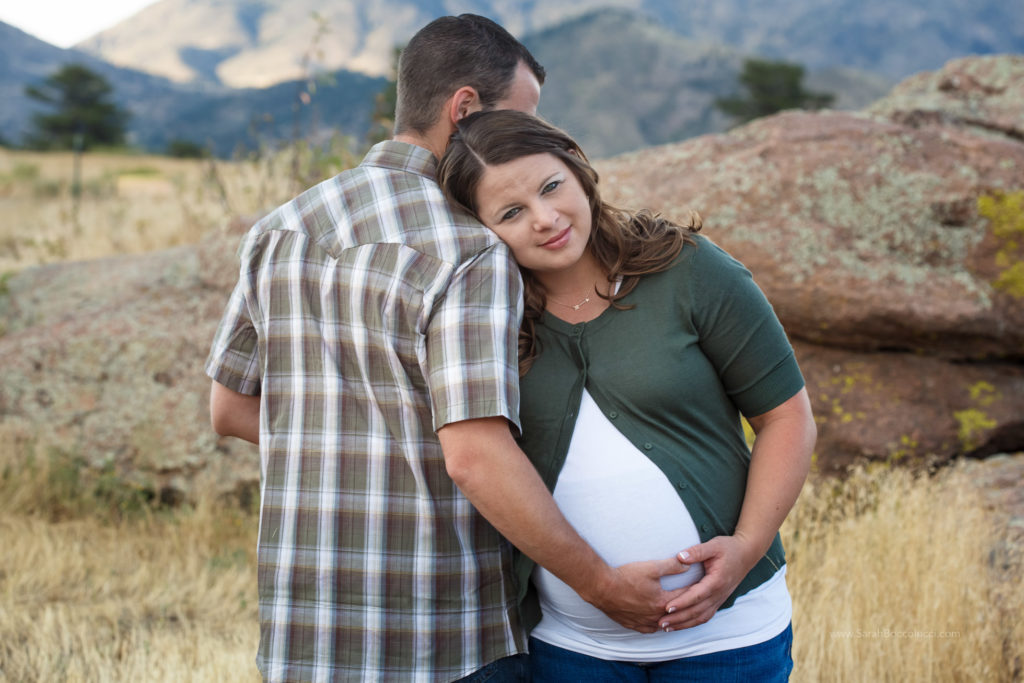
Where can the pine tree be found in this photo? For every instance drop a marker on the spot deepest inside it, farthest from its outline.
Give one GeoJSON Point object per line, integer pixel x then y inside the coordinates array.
{"type": "Point", "coordinates": [771, 87]}
{"type": "Point", "coordinates": [83, 113]}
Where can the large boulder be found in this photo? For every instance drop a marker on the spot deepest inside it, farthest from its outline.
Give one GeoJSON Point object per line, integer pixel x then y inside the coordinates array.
{"type": "Point", "coordinates": [984, 93]}
{"type": "Point", "coordinates": [910, 408]}
{"type": "Point", "coordinates": [890, 243]}
{"type": "Point", "coordinates": [102, 363]}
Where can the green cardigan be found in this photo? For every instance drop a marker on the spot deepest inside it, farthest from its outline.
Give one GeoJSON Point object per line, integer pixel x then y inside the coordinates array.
{"type": "Point", "coordinates": [700, 346]}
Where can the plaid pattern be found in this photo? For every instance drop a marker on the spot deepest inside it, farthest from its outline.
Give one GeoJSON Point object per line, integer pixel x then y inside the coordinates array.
{"type": "Point", "coordinates": [367, 315]}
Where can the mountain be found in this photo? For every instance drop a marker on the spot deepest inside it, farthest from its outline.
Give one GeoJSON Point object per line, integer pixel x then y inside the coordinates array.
{"type": "Point", "coordinates": [24, 59]}
{"type": "Point", "coordinates": [248, 118]}
{"type": "Point", "coordinates": [619, 81]}
{"type": "Point", "coordinates": [254, 43]}
{"type": "Point", "coordinates": [163, 110]}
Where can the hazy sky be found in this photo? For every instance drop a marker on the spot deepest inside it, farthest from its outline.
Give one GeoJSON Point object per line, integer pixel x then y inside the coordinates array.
{"type": "Point", "coordinates": [66, 22]}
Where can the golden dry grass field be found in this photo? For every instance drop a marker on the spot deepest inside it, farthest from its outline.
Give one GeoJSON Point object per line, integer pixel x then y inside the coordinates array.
{"type": "Point", "coordinates": [895, 576]}
{"type": "Point", "coordinates": [127, 204]}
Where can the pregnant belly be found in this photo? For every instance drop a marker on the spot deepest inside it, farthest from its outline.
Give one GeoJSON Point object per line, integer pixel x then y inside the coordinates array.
{"type": "Point", "coordinates": [627, 514]}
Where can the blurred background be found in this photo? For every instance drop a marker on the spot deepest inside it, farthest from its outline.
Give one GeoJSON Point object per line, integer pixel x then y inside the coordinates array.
{"type": "Point", "coordinates": [231, 75]}
{"type": "Point", "coordinates": [864, 158]}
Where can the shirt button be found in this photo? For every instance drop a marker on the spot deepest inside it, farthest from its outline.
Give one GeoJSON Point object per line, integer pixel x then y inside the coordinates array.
{"type": "Point", "coordinates": [613, 415]}
{"type": "Point", "coordinates": [648, 446]}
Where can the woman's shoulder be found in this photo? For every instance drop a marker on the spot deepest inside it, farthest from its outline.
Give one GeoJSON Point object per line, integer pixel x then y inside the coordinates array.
{"type": "Point", "coordinates": [702, 258]}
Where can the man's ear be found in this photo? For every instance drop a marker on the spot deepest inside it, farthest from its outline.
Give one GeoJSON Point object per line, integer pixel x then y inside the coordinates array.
{"type": "Point", "coordinates": [464, 102]}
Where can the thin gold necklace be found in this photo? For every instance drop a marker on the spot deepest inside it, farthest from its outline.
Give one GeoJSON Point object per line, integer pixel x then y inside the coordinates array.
{"type": "Point", "coordinates": [574, 307]}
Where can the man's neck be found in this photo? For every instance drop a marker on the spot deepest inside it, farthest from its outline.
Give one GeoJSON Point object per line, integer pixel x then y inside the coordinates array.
{"type": "Point", "coordinates": [429, 142]}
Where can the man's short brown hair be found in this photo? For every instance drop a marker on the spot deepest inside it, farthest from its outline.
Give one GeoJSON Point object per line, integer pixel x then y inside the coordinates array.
{"type": "Point", "coordinates": [450, 53]}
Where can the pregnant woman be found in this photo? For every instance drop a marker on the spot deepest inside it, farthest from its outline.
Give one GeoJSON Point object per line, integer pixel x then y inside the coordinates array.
{"type": "Point", "coordinates": [642, 345]}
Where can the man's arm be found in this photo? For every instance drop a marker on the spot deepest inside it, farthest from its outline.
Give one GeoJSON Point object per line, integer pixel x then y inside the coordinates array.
{"type": "Point", "coordinates": [234, 414]}
{"type": "Point", "coordinates": [485, 463]}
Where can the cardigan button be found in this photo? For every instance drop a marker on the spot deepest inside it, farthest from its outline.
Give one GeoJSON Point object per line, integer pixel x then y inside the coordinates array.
{"type": "Point", "coordinates": [681, 485]}
{"type": "Point", "coordinates": [704, 528]}
{"type": "Point", "coordinates": [613, 415]}
{"type": "Point", "coordinates": [648, 446]}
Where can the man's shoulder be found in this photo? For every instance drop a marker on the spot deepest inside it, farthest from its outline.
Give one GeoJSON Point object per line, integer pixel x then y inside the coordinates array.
{"type": "Point", "coordinates": [390, 198]}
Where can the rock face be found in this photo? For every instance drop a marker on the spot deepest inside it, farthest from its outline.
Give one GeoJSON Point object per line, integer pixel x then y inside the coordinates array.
{"type": "Point", "coordinates": [889, 242]}
{"type": "Point", "coordinates": [102, 361]}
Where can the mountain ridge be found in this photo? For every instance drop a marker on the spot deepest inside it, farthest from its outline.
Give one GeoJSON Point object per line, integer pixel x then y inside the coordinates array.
{"type": "Point", "coordinates": [247, 43]}
{"type": "Point", "coordinates": [619, 80]}
{"type": "Point", "coordinates": [225, 119]}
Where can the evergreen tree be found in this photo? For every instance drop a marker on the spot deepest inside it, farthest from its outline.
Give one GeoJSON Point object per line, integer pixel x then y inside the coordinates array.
{"type": "Point", "coordinates": [81, 105]}
{"type": "Point", "coordinates": [771, 87]}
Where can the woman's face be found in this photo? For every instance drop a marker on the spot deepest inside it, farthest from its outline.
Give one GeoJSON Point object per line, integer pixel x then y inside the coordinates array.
{"type": "Point", "coordinates": [537, 206]}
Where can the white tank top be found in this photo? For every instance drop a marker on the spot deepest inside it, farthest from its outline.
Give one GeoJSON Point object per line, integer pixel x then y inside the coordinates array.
{"type": "Point", "coordinates": [625, 507]}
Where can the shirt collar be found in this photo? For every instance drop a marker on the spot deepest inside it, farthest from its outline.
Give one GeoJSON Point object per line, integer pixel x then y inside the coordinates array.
{"type": "Point", "coordinates": [402, 156]}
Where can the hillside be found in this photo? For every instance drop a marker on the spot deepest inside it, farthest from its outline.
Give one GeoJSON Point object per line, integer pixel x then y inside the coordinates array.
{"type": "Point", "coordinates": [644, 86]}
{"type": "Point", "coordinates": [620, 81]}
{"type": "Point", "coordinates": [163, 110]}
{"type": "Point", "coordinates": [24, 59]}
{"type": "Point", "coordinates": [248, 44]}
{"type": "Point", "coordinates": [600, 93]}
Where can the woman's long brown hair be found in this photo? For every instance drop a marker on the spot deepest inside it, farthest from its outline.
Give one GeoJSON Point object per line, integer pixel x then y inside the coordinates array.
{"type": "Point", "coordinates": [626, 244]}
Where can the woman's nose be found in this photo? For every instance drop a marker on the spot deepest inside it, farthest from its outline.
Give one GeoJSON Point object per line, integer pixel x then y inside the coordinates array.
{"type": "Point", "coordinates": [545, 217]}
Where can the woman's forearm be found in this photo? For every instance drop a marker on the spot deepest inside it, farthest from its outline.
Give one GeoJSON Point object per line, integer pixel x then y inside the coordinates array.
{"type": "Point", "coordinates": [779, 464]}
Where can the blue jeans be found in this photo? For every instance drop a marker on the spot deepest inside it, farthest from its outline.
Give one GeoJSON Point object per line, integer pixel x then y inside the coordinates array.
{"type": "Point", "coordinates": [767, 662]}
{"type": "Point", "coordinates": [514, 669]}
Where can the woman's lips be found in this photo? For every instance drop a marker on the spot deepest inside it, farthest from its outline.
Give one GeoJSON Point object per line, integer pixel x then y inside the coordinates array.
{"type": "Point", "coordinates": [558, 240]}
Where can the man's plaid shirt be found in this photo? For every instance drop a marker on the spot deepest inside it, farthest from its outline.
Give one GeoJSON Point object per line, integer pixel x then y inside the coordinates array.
{"type": "Point", "coordinates": [367, 315]}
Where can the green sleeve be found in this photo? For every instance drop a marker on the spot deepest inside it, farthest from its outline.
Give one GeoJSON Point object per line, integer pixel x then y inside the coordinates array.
{"type": "Point", "coordinates": [740, 333]}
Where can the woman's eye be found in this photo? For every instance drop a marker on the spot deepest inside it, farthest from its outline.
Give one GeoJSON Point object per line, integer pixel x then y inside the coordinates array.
{"type": "Point", "coordinates": [510, 214]}
{"type": "Point", "coordinates": [551, 187]}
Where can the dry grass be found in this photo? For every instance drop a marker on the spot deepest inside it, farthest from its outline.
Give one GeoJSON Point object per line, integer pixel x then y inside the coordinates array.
{"type": "Point", "coordinates": [893, 577]}
{"type": "Point", "coordinates": [128, 204]}
{"type": "Point", "coordinates": [92, 590]}
{"type": "Point", "coordinates": [901, 577]}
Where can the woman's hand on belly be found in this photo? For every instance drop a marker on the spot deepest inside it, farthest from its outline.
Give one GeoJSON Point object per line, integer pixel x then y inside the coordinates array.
{"type": "Point", "coordinates": [727, 559]}
{"type": "Point", "coordinates": [640, 580]}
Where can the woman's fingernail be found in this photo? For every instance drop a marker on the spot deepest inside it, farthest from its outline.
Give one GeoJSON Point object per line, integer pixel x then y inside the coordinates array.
{"type": "Point", "coordinates": [671, 610]}
{"type": "Point", "coordinates": [684, 556]}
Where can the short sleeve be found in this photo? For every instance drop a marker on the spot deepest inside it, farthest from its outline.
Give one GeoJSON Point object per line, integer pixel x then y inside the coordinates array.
{"type": "Point", "coordinates": [471, 363]}
{"type": "Point", "coordinates": [234, 354]}
{"type": "Point", "coordinates": [740, 333]}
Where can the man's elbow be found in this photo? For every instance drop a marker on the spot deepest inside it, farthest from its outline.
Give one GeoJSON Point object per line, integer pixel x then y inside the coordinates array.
{"type": "Point", "coordinates": [462, 466]}
{"type": "Point", "coordinates": [227, 410]}
{"type": "Point", "coordinates": [475, 451]}
{"type": "Point", "coordinates": [220, 422]}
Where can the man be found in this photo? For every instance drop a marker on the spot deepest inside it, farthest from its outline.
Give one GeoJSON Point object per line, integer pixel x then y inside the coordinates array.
{"type": "Point", "coordinates": [369, 347]}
